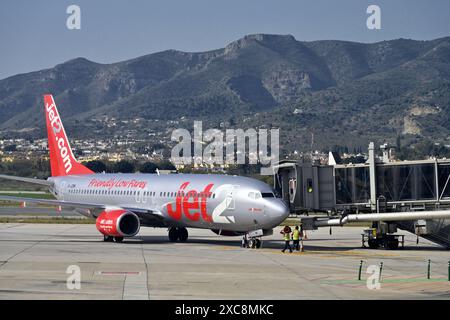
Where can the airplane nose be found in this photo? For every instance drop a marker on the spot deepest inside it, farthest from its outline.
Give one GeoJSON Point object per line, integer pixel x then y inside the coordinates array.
{"type": "Point", "coordinates": [283, 210]}
{"type": "Point", "coordinates": [280, 210]}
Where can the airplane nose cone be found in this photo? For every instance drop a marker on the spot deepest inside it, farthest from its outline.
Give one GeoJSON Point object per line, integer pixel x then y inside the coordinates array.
{"type": "Point", "coordinates": [283, 210]}
{"type": "Point", "coordinates": [280, 211]}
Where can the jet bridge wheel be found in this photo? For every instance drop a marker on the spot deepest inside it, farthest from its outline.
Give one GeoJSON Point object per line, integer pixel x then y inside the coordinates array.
{"type": "Point", "coordinates": [373, 243]}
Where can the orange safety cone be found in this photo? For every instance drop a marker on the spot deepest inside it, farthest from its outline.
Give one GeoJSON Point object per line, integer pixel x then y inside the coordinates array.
{"type": "Point", "coordinates": [23, 204]}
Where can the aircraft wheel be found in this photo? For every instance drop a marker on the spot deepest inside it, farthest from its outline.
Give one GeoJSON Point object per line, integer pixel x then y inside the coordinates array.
{"type": "Point", "coordinates": [392, 244]}
{"type": "Point", "coordinates": [173, 234]}
{"type": "Point", "coordinates": [118, 239]}
{"type": "Point", "coordinates": [108, 239]}
{"type": "Point", "coordinates": [182, 234]}
{"type": "Point", "coordinates": [257, 243]}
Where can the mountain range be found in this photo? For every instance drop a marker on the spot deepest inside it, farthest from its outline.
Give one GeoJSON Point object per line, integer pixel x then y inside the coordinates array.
{"type": "Point", "coordinates": [338, 92]}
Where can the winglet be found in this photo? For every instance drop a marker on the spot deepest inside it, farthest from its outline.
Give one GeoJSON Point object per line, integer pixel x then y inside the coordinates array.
{"type": "Point", "coordinates": [62, 161]}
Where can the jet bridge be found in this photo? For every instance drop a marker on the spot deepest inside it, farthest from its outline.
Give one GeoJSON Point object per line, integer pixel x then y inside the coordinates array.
{"type": "Point", "coordinates": [380, 185]}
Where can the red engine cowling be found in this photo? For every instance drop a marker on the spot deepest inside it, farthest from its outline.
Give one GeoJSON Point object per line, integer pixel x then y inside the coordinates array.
{"type": "Point", "coordinates": [118, 223]}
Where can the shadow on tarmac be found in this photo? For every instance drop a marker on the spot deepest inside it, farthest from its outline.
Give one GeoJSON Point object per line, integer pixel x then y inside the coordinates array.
{"type": "Point", "coordinates": [234, 242]}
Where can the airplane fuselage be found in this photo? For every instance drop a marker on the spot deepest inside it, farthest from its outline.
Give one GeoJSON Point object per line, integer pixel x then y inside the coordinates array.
{"type": "Point", "coordinates": [209, 201]}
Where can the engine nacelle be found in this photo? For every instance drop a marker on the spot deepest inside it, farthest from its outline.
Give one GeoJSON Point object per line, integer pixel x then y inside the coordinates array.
{"type": "Point", "coordinates": [118, 223]}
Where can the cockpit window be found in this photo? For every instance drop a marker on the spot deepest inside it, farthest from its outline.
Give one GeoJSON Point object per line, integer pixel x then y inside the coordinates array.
{"type": "Point", "coordinates": [254, 195]}
{"type": "Point", "coordinates": [268, 195]}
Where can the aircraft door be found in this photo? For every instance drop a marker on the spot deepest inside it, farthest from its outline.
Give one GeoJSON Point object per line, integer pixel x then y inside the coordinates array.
{"type": "Point", "coordinates": [292, 189]}
{"type": "Point", "coordinates": [230, 198]}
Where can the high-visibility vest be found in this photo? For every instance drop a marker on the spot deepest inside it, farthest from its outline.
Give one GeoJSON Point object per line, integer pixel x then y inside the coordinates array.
{"type": "Point", "coordinates": [296, 234]}
{"type": "Point", "coordinates": [287, 236]}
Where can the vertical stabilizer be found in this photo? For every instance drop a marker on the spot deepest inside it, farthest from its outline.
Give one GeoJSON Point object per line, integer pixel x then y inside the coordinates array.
{"type": "Point", "coordinates": [62, 161]}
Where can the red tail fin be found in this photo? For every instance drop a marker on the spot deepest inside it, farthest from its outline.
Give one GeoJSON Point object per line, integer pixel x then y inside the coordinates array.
{"type": "Point", "coordinates": [62, 161]}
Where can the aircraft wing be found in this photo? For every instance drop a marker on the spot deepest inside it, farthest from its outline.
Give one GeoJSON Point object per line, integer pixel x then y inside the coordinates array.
{"type": "Point", "coordinates": [147, 216]}
{"type": "Point", "coordinates": [29, 180]}
{"type": "Point", "coordinates": [53, 202]}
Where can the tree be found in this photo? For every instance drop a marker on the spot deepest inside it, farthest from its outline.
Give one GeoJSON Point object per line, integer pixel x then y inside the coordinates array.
{"type": "Point", "coordinates": [148, 167]}
{"type": "Point", "coordinates": [96, 165]}
{"type": "Point", "coordinates": [10, 148]}
{"type": "Point", "coordinates": [166, 165]}
{"type": "Point", "coordinates": [124, 166]}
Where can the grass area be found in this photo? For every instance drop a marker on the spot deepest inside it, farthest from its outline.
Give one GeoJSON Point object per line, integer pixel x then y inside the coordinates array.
{"type": "Point", "coordinates": [12, 185]}
{"type": "Point", "coordinates": [384, 280]}
{"type": "Point", "coordinates": [29, 195]}
{"type": "Point", "coordinates": [52, 220]}
{"type": "Point", "coordinates": [46, 196]}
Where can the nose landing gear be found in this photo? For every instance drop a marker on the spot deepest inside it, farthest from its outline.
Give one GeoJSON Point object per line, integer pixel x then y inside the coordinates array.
{"type": "Point", "coordinates": [252, 243]}
{"type": "Point", "coordinates": [253, 239]}
{"type": "Point", "coordinates": [178, 234]}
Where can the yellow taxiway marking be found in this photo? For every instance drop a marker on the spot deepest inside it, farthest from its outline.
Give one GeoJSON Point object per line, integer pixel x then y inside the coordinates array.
{"type": "Point", "coordinates": [327, 253]}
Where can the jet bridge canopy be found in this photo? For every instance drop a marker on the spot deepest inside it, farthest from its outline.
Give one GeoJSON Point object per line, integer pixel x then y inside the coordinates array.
{"type": "Point", "coordinates": [309, 187]}
{"type": "Point", "coordinates": [378, 185]}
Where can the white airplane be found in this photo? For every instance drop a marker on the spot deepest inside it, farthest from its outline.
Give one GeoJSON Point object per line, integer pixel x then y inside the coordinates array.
{"type": "Point", "coordinates": [122, 203]}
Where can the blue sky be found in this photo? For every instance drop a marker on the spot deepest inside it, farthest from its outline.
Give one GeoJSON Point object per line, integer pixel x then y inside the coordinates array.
{"type": "Point", "coordinates": [34, 35]}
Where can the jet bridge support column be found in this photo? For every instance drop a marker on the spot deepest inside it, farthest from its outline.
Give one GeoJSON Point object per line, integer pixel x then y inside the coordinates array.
{"type": "Point", "coordinates": [373, 178]}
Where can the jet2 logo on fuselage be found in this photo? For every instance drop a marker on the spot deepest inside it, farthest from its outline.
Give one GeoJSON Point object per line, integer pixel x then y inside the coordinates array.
{"type": "Point", "coordinates": [191, 203]}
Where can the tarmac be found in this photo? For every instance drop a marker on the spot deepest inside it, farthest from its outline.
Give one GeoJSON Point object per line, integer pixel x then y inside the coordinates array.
{"type": "Point", "coordinates": [37, 261]}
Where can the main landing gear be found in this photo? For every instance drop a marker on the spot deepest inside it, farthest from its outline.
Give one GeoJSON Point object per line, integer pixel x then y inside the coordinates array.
{"type": "Point", "coordinates": [112, 239]}
{"type": "Point", "coordinates": [178, 234]}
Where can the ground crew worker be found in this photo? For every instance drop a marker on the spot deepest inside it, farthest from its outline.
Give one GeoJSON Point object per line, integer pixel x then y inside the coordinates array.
{"type": "Point", "coordinates": [301, 234]}
{"type": "Point", "coordinates": [296, 238]}
{"type": "Point", "coordinates": [286, 232]}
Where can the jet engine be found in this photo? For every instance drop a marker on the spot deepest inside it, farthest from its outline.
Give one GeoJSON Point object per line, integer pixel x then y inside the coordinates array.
{"type": "Point", "coordinates": [118, 223]}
